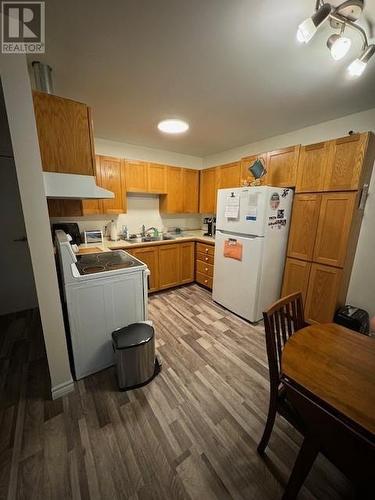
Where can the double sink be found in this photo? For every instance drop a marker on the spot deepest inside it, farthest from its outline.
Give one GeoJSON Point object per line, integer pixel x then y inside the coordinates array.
{"type": "Point", "coordinates": [150, 239]}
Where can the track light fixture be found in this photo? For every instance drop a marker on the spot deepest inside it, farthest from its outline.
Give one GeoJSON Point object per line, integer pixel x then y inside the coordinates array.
{"type": "Point", "coordinates": [341, 17]}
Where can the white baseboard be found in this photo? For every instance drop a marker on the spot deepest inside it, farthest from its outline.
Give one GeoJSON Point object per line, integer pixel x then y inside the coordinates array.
{"type": "Point", "coordinates": [60, 390]}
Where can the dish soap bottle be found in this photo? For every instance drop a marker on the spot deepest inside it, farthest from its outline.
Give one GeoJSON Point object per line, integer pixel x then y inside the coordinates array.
{"type": "Point", "coordinates": [113, 233]}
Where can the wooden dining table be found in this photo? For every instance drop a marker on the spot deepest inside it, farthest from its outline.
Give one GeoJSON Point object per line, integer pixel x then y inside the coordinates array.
{"type": "Point", "coordinates": [329, 375]}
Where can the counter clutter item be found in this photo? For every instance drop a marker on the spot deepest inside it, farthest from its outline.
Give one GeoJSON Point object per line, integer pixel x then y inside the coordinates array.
{"type": "Point", "coordinates": [93, 236]}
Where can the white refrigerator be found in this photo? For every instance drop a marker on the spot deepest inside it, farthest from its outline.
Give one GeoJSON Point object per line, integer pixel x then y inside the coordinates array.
{"type": "Point", "coordinates": [252, 226]}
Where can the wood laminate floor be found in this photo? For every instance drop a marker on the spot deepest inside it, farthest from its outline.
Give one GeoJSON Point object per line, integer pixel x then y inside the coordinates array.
{"type": "Point", "coordinates": [191, 433]}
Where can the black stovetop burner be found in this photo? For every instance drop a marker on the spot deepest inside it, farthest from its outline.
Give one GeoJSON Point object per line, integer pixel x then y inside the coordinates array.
{"type": "Point", "coordinates": [104, 261]}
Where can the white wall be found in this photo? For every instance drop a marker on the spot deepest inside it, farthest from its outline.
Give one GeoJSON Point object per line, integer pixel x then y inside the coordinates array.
{"type": "Point", "coordinates": [362, 285]}
{"type": "Point", "coordinates": [19, 104]}
{"type": "Point", "coordinates": [133, 152]}
{"type": "Point", "coordinates": [359, 122]}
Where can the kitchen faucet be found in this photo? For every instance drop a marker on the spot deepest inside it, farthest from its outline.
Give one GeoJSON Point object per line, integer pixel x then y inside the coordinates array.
{"type": "Point", "coordinates": [145, 231]}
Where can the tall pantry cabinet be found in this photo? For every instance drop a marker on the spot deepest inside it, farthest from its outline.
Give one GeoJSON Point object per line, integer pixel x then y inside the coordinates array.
{"type": "Point", "coordinates": [327, 212]}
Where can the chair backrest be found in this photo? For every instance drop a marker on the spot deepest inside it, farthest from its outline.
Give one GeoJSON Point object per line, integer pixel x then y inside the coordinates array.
{"type": "Point", "coordinates": [281, 320]}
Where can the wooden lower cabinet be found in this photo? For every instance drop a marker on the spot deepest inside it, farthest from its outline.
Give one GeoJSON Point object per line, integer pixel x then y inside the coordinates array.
{"type": "Point", "coordinates": [169, 266]}
{"type": "Point", "coordinates": [187, 252]}
{"type": "Point", "coordinates": [322, 294]}
{"type": "Point", "coordinates": [296, 277]}
{"type": "Point", "coordinates": [320, 286]}
{"type": "Point", "coordinates": [173, 264]}
{"type": "Point", "coordinates": [150, 256]}
{"type": "Point", "coordinates": [204, 264]}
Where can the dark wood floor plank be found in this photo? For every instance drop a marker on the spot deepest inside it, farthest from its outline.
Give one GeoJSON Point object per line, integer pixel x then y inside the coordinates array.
{"type": "Point", "coordinates": [189, 434]}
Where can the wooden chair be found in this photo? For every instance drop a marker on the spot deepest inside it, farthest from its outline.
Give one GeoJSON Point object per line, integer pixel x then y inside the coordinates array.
{"type": "Point", "coordinates": [281, 320]}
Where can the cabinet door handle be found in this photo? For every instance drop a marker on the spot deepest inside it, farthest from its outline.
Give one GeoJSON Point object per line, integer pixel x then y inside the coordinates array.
{"type": "Point", "coordinates": [206, 281]}
{"type": "Point", "coordinates": [22, 239]}
{"type": "Point", "coordinates": [206, 259]}
{"type": "Point", "coordinates": [206, 269]}
{"type": "Point", "coordinates": [206, 250]}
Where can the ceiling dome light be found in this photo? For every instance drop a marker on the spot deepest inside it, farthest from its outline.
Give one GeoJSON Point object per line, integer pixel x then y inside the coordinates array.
{"type": "Point", "coordinates": [173, 126]}
{"type": "Point", "coordinates": [307, 29]}
{"type": "Point", "coordinates": [358, 66]}
{"type": "Point", "coordinates": [339, 46]}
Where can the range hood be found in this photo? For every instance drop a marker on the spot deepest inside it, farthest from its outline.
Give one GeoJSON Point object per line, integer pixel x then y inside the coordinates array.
{"type": "Point", "coordinates": [73, 186]}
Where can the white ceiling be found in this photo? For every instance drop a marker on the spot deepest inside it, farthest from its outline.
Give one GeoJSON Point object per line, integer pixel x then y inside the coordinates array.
{"type": "Point", "coordinates": [231, 68]}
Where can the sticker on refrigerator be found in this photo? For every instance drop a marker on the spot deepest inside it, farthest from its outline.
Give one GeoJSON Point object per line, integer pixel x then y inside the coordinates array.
{"type": "Point", "coordinates": [275, 201]}
{"type": "Point", "coordinates": [251, 214]}
{"type": "Point", "coordinates": [281, 214]}
{"type": "Point", "coordinates": [278, 223]}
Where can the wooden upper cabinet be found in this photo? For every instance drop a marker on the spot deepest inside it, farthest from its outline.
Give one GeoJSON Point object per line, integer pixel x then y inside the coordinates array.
{"type": "Point", "coordinates": [64, 208]}
{"type": "Point", "coordinates": [65, 134]}
{"type": "Point", "coordinates": [335, 221]}
{"type": "Point", "coordinates": [282, 167]}
{"type": "Point", "coordinates": [246, 162]}
{"type": "Point", "coordinates": [323, 291]}
{"type": "Point", "coordinates": [345, 163]}
{"type": "Point", "coordinates": [173, 201]}
{"type": "Point", "coordinates": [187, 251]}
{"type": "Point", "coordinates": [92, 207]}
{"type": "Point", "coordinates": [228, 175]}
{"type": "Point", "coordinates": [157, 178]}
{"type": "Point", "coordinates": [111, 173]}
{"type": "Point", "coordinates": [312, 166]}
{"type": "Point", "coordinates": [304, 223]}
{"type": "Point", "coordinates": [296, 277]}
{"type": "Point", "coordinates": [207, 191]}
{"type": "Point", "coordinates": [191, 190]}
{"type": "Point", "coordinates": [136, 176]}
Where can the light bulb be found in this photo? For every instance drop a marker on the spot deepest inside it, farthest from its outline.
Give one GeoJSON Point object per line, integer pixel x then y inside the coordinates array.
{"type": "Point", "coordinates": [306, 31]}
{"type": "Point", "coordinates": [339, 46]}
{"type": "Point", "coordinates": [357, 67]}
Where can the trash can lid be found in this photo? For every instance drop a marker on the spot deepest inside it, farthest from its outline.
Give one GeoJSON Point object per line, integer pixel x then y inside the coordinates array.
{"type": "Point", "coordinates": [132, 335]}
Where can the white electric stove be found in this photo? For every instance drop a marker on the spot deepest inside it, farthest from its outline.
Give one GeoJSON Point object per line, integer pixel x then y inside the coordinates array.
{"type": "Point", "coordinates": [103, 291]}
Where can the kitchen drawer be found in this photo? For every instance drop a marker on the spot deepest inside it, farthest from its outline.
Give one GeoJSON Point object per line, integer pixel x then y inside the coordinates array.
{"type": "Point", "coordinates": [203, 280]}
{"type": "Point", "coordinates": [206, 249]}
{"type": "Point", "coordinates": [204, 257]}
{"type": "Point", "coordinates": [204, 268]}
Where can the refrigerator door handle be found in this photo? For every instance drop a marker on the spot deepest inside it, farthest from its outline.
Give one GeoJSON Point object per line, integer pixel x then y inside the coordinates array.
{"type": "Point", "coordinates": [237, 236]}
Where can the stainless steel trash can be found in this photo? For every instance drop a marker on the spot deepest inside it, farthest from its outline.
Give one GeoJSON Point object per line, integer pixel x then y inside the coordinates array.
{"type": "Point", "coordinates": [134, 348]}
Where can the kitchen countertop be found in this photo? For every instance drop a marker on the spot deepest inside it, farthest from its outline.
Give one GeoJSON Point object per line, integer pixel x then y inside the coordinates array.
{"type": "Point", "coordinates": [124, 245]}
